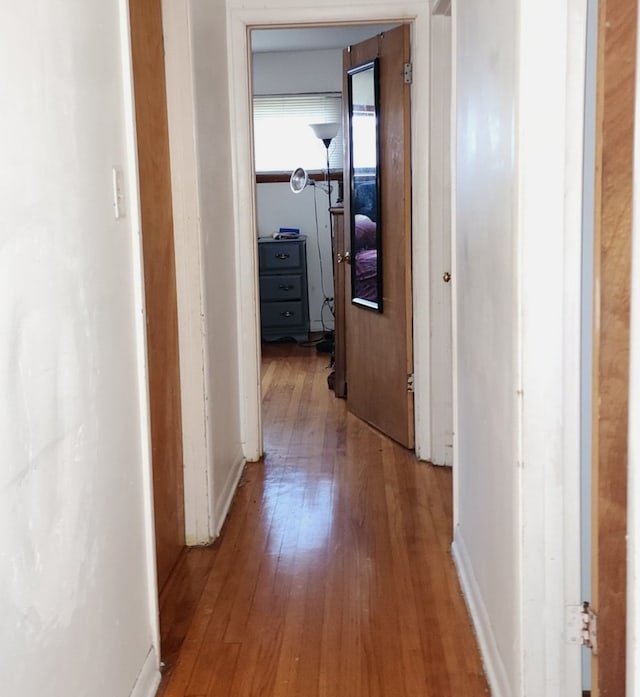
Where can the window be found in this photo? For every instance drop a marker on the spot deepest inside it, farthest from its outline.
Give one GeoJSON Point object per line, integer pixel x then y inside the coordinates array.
{"type": "Point", "coordinates": [283, 140]}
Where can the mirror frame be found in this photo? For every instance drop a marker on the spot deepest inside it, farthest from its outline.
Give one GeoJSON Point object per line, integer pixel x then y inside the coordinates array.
{"type": "Point", "coordinates": [375, 198]}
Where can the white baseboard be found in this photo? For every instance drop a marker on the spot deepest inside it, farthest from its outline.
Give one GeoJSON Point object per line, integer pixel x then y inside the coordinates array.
{"type": "Point", "coordinates": [223, 501]}
{"type": "Point", "coordinates": [149, 678]}
{"type": "Point", "coordinates": [493, 665]}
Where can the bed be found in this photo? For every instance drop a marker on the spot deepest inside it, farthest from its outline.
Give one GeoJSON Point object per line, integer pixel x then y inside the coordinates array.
{"type": "Point", "coordinates": [365, 255]}
{"type": "Point", "coordinates": [365, 243]}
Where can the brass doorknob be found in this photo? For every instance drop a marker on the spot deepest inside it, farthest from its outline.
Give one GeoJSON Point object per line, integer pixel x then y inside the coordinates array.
{"type": "Point", "coordinates": [344, 258]}
{"type": "Point", "coordinates": [446, 277]}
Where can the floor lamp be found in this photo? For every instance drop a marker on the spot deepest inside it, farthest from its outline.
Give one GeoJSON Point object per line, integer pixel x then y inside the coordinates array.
{"type": "Point", "coordinates": [326, 132]}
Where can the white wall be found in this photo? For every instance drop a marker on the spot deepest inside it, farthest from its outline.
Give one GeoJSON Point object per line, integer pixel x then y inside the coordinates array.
{"type": "Point", "coordinates": [77, 583]}
{"type": "Point", "coordinates": [518, 261]}
{"type": "Point", "coordinates": [215, 192]}
{"type": "Point", "coordinates": [290, 73]}
{"type": "Point", "coordinates": [486, 285]}
{"type": "Point", "coordinates": [297, 72]}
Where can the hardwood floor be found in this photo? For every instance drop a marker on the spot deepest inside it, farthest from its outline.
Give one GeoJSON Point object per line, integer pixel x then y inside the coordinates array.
{"type": "Point", "coordinates": [332, 576]}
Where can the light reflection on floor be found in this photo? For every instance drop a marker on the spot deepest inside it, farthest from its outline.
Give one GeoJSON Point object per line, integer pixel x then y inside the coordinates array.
{"type": "Point", "coordinates": [296, 496]}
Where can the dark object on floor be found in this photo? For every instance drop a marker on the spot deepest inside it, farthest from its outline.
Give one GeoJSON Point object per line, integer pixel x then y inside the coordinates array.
{"type": "Point", "coordinates": [325, 346]}
{"type": "Point", "coordinates": [327, 343]}
{"type": "Point", "coordinates": [331, 380]}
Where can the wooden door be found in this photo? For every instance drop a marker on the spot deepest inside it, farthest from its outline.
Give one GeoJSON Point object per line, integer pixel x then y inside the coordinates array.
{"type": "Point", "coordinates": [340, 349]}
{"type": "Point", "coordinates": [612, 256]}
{"type": "Point", "coordinates": [380, 345]}
{"type": "Point", "coordinates": [160, 281]}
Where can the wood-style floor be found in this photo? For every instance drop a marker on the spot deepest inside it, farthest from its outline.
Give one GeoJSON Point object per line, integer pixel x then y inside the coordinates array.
{"type": "Point", "coordinates": [332, 576]}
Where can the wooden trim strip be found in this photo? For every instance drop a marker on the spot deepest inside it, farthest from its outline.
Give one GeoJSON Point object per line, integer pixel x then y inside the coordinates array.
{"type": "Point", "coordinates": [283, 177]}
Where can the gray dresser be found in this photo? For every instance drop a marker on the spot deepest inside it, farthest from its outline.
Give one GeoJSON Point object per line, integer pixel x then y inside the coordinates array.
{"type": "Point", "coordinates": [284, 304]}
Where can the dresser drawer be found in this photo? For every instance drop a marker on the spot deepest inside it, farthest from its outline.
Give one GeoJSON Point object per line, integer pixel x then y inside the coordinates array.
{"type": "Point", "coordinates": [281, 287]}
{"type": "Point", "coordinates": [284, 314]}
{"type": "Point", "coordinates": [284, 303]}
{"type": "Point", "coordinates": [280, 255]}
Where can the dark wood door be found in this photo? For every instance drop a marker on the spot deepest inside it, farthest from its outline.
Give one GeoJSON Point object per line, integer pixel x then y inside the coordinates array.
{"type": "Point", "coordinates": [160, 280]}
{"type": "Point", "coordinates": [380, 345]}
{"type": "Point", "coordinates": [612, 255]}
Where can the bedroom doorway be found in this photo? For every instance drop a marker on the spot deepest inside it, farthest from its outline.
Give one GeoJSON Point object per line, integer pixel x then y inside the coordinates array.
{"type": "Point", "coordinates": [432, 388]}
{"type": "Point", "coordinates": [277, 64]}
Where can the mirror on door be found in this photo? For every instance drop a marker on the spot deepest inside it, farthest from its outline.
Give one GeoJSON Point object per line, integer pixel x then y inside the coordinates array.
{"type": "Point", "coordinates": [366, 257]}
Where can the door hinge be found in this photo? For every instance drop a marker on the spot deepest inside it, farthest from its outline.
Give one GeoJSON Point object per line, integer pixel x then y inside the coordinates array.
{"type": "Point", "coordinates": [410, 387]}
{"type": "Point", "coordinates": [408, 73]}
{"type": "Point", "coordinates": [582, 626]}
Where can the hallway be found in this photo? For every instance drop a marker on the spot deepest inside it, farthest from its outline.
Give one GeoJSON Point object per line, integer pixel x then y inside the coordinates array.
{"type": "Point", "coordinates": [332, 576]}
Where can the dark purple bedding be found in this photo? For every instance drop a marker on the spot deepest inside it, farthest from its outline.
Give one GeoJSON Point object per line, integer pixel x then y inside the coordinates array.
{"type": "Point", "coordinates": [366, 259]}
{"type": "Point", "coordinates": [366, 276]}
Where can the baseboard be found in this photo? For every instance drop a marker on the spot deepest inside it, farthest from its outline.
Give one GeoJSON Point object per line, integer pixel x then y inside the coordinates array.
{"type": "Point", "coordinates": [223, 501]}
{"type": "Point", "coordinates": [149, 678]}
{"type": "Point", "coordinates": [493, 665]}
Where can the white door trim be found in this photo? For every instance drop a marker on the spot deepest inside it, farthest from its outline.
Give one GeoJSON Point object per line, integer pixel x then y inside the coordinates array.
{"type": "Point", "coordinates": [440, 257]}
{"type": "Point", "coordinates": [550, 157]}
{"type": "Point", "coordinates": [240, 21]}
{"type": "Point", "coordinates": [189, 273]}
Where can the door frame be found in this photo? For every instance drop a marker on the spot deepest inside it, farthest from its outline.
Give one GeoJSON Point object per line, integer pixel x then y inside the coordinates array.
{"type": "Point", "coordinates": [240, 21]}
{"type": "Point", "coordinates": [441, 237]}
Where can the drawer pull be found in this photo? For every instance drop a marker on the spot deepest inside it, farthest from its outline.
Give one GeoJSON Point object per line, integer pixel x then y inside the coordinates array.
{"type": "Point", "coordinates": [287, 313]}
{"type": "Point", "coordinates": [285, 286]}
{"type": "Point", "coordinates": [282, 255]}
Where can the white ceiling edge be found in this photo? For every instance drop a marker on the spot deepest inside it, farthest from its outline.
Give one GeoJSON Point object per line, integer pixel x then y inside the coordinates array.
{"type": "Point", "coordinates": [313, 38]}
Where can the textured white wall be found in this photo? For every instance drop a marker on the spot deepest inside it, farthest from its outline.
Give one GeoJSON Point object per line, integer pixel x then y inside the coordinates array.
{"type": "Point", "coordinates": [486, 286]}
{"type": "Point", "coordinates": [77, 595]}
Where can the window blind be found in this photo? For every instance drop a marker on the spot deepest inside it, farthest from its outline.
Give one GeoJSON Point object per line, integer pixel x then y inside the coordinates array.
{"type": "Point", "coordinates": [283, 139]}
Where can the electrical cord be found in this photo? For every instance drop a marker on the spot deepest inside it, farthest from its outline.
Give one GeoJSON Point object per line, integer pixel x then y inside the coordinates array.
{"type": "Point", "coordinates": [327, 299]}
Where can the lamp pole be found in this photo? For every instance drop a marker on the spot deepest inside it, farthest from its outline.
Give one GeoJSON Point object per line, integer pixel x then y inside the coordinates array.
{"type": "Point", "coordinates": [327, 143]}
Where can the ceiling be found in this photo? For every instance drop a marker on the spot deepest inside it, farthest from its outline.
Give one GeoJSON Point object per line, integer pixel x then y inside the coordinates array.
{"type": "Point", "coordinates": [312, 38]}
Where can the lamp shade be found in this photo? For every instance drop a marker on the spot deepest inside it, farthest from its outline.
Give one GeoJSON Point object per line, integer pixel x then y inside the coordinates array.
{"type": "Point", "coordinates": [325, 131]}
{"type": "Point", "coordinates": [299, 180]}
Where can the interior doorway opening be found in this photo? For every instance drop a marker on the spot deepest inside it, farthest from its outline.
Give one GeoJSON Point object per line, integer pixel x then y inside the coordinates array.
{"type": "Point", "coordinates": [422, 299]}
{"type": "Point", "coordinates": [297, 93]}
